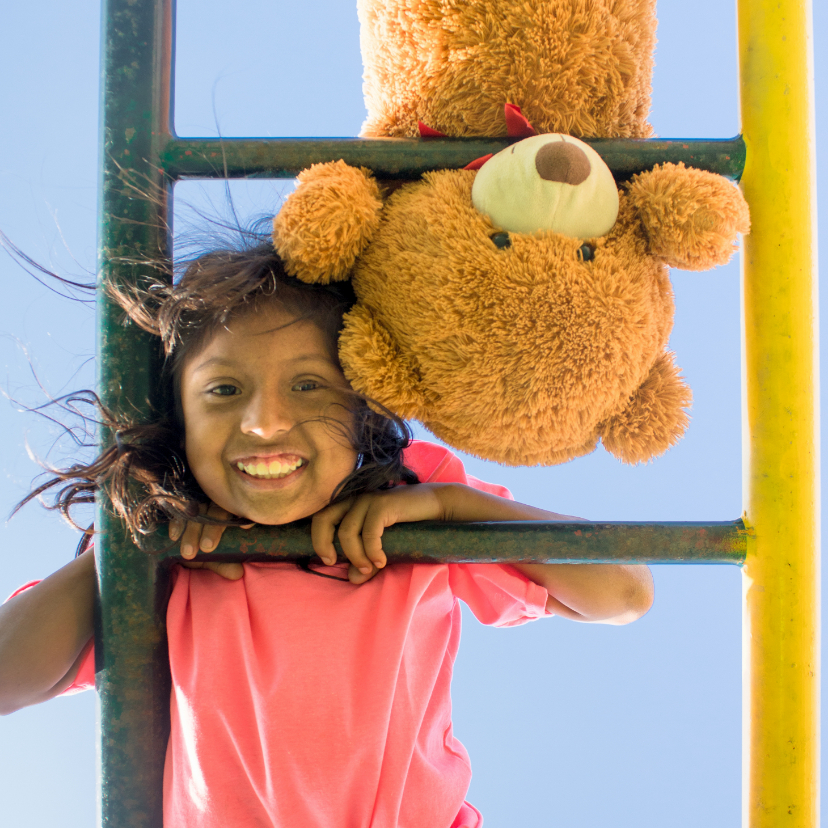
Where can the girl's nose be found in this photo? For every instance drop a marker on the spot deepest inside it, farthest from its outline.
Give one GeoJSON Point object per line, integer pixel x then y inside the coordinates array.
{"type": "Point", "coordinates": [267, 415]}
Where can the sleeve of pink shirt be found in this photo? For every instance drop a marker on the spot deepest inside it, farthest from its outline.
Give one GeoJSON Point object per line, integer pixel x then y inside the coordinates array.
{"type": "Point", "coordinates": [497, 594]}
{"type": "Point", "coordinates": [85, 679]}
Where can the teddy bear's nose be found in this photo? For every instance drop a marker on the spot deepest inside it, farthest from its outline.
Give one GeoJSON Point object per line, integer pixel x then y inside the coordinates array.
{"type": "Point", "coordinates": [561, 162]}
{"type": "Point", "coordinates": [548, 182]}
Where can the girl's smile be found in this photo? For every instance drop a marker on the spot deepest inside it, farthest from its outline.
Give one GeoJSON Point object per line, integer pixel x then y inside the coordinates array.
{"type": "Point", "coordinates": [270, 468]}
{"type": "Point", "coordinates": [267, 418]}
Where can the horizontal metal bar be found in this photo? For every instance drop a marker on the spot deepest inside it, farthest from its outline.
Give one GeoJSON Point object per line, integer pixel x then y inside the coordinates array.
{"type": "Point", "coordinates": [506, 542]}
{"type": "Point", "coordinates": [408, 158]}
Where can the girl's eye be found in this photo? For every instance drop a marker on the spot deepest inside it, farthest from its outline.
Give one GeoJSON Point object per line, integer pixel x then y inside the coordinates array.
{"type": "Point", "coordinates": [306, 385]}
{"type": "Point", "coordinates": [586, 252]}
{"type": "Point", "coordinates": [224, 390]}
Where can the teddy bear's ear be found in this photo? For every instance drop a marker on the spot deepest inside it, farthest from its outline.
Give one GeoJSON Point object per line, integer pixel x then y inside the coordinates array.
{"type": "Point", "coordinates": [327, 222]}
{"type": "Point", "coordinates": [691, 217]}
{"type": "Point", "coordinates": [374, 366]}
{"type": "Point", "coordinates": [654, 418]}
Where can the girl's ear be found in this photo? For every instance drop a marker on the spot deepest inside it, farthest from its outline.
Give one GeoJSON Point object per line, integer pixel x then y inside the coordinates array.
{"type": "Point", "coordinates": [327, 222]}
{"type": "Point", "coordinates": [374, 366]}
{"type": "Point", "coordinates": [691, 217]}
{"type": "Point", "coordinates": [653, 419]}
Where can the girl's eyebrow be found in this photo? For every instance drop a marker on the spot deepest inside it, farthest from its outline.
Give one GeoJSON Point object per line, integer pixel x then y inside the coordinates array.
{"type": "Point", "coordinates": [311, 358]}
{"type": "Point", "coordinates": [231, 362]}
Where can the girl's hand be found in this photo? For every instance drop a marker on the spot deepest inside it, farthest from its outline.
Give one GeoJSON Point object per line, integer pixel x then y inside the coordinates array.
{"type": "Point", "coordinates": [205, 537]}
{"type": "Point", "coordinates": [362, 520]}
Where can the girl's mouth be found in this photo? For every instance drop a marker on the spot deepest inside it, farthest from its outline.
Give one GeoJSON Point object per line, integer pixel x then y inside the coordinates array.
{"type": "Point", "coordinates": [270, 469]}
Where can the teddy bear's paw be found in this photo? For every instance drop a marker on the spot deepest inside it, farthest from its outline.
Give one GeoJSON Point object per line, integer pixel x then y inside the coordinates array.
{"type": "Point", "coordinates": [327, 222]}
{"type": "Point", "coordinates": [654, 418]}
{"type": "Point", "coordinates": [692, 217]}
{"type": "Point", "coordinates": [374, 366]}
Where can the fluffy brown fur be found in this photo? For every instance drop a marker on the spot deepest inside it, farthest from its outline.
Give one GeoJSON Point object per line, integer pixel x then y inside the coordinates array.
{"type": "Point", "coordinates": [329, 190]}
{"type": "Point", "coordinates": [525, 355]}
{"type": "Point", "coordinates": [581, 67]}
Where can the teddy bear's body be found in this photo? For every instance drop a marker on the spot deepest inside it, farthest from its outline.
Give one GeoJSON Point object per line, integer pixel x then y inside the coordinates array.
{"type": "Point", "coordinates": [528, 353]}
{"type": "Point", "coordinates": [581, 67]}
{"type": "Point", "coordinates": [538, 347]}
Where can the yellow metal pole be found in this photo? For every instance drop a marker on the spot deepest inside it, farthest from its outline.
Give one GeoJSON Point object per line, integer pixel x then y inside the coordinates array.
{"type": "Point", "coordinates": [781, 441]}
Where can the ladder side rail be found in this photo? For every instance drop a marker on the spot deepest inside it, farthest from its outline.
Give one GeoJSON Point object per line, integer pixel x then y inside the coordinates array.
{"type": "Point", "coordinates": [780, 418]}
{"type": "Point", "coordinates": [132, 675]}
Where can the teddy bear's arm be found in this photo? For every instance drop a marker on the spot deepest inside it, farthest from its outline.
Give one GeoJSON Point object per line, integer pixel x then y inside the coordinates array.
{"type": "Point", "coordinates": [691, 217]}
{"type": "Point", "coordinates": [327, 221]}
{"type": "Point", "coordinates": [654, 418]}
{"type": "Point", "coordinates": [374, 366]}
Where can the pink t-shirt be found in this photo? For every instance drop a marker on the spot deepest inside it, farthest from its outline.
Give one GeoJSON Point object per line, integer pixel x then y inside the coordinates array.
{"type": "Point", "coordinates": [301, 701]}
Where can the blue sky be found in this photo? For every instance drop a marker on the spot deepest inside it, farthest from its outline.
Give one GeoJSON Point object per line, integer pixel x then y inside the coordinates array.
{"type": "Point", "coordinates": [567, 725]}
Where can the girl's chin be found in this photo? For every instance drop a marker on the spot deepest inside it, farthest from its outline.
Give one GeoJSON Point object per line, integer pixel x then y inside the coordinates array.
{"type": "Point", "coordinates": [278, 517]}
{"type": "Point", "coordinates": [271, 509]}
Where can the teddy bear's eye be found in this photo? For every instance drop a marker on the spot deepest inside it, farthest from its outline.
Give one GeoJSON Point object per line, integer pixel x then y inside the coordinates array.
{"type": "Point", "coordinates": [586, 252]}
{"type": "Point", "coordinates": [501, 240]}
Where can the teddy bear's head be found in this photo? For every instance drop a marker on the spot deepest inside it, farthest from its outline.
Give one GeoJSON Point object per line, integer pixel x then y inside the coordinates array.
{"type": "Point", "coordinates": [520, 312]}
{"type": "Point", "coordinates": [576, 67]}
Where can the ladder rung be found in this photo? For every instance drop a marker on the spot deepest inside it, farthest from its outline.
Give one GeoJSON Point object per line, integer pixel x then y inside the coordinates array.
{"type": "Point", "coordinates": [520, 541]}
{"type": "Point", "coordinates": [407, 158]}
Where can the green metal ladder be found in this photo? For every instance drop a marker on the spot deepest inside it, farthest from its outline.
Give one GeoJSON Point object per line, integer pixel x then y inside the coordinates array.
{"type": "Point", "coordinates": [777, 543]}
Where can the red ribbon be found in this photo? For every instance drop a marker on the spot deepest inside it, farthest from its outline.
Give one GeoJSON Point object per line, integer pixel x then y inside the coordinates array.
{"type": "Point", "coordinates": [517, 126]}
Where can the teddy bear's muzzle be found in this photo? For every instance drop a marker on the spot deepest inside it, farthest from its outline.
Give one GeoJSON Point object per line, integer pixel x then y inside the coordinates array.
{"type": "Point", "coordinates": [548, 182]}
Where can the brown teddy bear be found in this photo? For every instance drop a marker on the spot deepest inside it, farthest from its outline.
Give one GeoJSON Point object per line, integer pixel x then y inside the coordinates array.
{"type": "Point", "coordinates": [516, 346]}
{"type": "Point", "coordinates": [520, 311]}
{"type": "Point", "coordinates": [581, 67]}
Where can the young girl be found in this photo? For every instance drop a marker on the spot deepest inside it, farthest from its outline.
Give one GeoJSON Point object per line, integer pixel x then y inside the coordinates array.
{"type": "Point", "coordinates": [312, 695]}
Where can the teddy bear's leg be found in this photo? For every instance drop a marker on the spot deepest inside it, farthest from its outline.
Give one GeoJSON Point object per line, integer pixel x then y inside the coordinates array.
{"type": "Point", "coordinates": [374, 366]}
{"type": "Point", "coordinates": [654, 418]}
{"type": "Point", "coordinates": [327, 221]}
{"type": "Point", "coordinates": [691, 217]}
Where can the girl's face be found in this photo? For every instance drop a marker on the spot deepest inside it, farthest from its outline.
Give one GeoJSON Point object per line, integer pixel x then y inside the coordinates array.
{"type": "Point", "coordinates": [267, 418]}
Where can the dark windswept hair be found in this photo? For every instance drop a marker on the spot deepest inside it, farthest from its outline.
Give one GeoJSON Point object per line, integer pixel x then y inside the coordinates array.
{"type": "Point", "coordinates": [144, 474]}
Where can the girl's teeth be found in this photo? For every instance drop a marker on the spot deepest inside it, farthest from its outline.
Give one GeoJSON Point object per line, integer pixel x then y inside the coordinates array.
{"type": "Point", "coordinates": [270, 470]}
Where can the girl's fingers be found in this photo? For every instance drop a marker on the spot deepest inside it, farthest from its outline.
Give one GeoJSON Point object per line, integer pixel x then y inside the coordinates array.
{"type": "Point", "coordinates": [352, 541]}
{"type": "Point", "coordinates": [375, 522]}
{"type": "Point", "coordinates": [175, 528]}
{"type": "Point", "coordinates": [323, 528]}
{"type": "Point", "coordinates": [356, 577]}
{"type": "Point", "coordinates": [201, 537]}
{"type": "Point", "coordinates": [210, 532]}
{"type": "Point", "coordinates": [231, 571]}
{"type": "Point", "coordinates": [190, 540]}
{"type": "Point", "coordinates": [191, 536]}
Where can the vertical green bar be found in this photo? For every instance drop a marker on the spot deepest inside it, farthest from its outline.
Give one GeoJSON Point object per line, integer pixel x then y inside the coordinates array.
{"type": "Point", "coordinates": [133, 675]}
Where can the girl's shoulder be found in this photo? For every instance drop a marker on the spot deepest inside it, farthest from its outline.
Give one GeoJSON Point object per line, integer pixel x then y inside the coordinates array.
{"type": "Point", "coordinates": [433, 463]}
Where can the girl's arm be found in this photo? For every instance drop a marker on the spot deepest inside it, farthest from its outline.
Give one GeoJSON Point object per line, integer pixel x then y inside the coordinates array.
{"type": "Point", "coordinates": [43, 633]}
{"type": "Point", "coordinates": [606, 593]}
